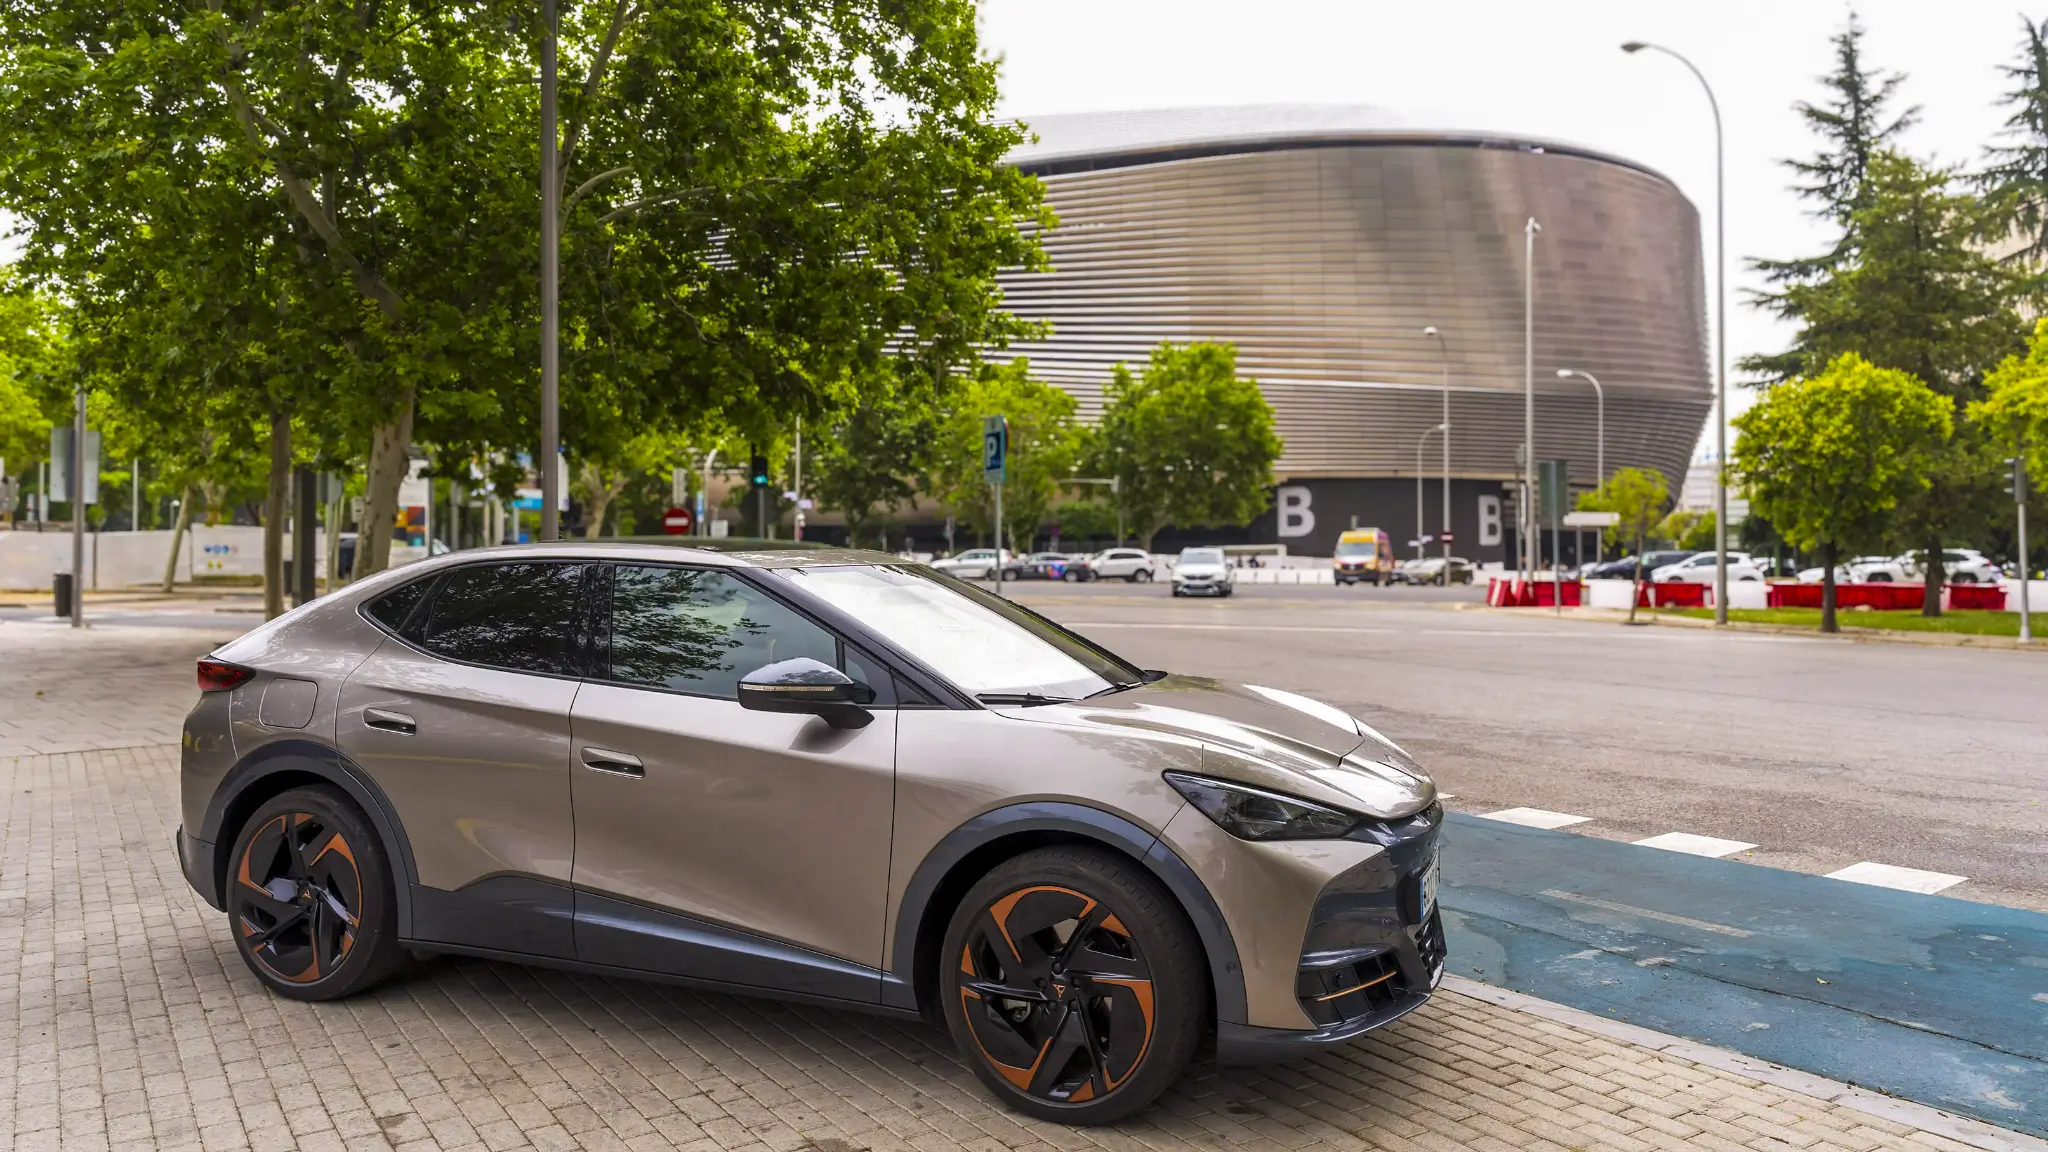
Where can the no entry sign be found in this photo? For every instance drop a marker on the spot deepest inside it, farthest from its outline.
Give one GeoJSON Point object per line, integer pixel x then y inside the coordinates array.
{"type": "Point", "coordinates": [678, 521]}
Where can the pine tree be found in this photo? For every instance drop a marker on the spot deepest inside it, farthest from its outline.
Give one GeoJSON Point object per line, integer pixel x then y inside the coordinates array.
{"type": "Point", "coordinates": [2017, 180]}
{"type": "Point", "coordinates": [1855, 125]}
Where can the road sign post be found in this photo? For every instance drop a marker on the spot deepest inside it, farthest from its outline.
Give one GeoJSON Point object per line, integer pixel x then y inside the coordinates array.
{"type": "Point", "coordinates": [1551, 485]}
{"type": "Point", "coordinates": [2019, 499]}
{"type": "Point", "coordinates": [995, 460]}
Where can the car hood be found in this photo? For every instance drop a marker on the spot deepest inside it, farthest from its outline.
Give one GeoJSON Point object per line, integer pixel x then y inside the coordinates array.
{"type": "Point", "coordinates": [1260, 736]}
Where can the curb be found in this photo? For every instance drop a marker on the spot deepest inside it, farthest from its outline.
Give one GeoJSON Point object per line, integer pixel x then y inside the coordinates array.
{"type": "Point", "coordinates": [1852, 633]}
{"type": "Point", "coordinates": [1961, 1129]}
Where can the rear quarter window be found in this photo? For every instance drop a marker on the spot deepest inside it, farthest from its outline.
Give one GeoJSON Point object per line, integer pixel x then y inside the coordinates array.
{"type": "Point", "coordinates": [393, 608]}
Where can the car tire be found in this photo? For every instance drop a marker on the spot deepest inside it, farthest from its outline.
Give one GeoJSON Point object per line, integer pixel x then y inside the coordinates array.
{"type": "Point", "coordinates": [310, 897]}
{"type": "Point", "coordinates": [1054, 914]}
{"type": "Point", "coordinates": [1071, 576]}
{"type": "Point", "coordinates": [1142, 576]}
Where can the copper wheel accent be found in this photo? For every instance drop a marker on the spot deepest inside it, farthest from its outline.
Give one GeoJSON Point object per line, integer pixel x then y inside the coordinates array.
{"type": "Point", "coordinates": [297, 898]}
{"type": "Point", "coordinates": [1056, 994]}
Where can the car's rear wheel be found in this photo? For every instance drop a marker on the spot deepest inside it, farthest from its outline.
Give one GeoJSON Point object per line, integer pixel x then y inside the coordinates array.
{"type": "Point", "coordinates": [310, 899]}
{"type": "Point", "coordinates": [1142, 576]}
{"type": "Point", "coordinates": [1074, 987]}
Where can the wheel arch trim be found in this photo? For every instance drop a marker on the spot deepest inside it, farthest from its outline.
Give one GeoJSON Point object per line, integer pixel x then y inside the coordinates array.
{"type": "Point", "coordinates": [307, 758]}
{"type": "Point", "coordinates": [914, 914]}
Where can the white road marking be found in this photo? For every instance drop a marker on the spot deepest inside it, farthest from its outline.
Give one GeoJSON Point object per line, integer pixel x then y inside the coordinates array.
{"type": "Point", "coordinates": [1693, 845]}
{"type": "Point", "coordinates": [1891, 876]}
{"type": "Point", "coordinates": [1646, 913]}
{"type": "Point", "coordinates": [1535, 818]}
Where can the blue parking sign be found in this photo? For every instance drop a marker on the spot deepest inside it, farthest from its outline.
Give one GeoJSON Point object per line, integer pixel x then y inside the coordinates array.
{"type": "Point", "coordinates": [995, 448]}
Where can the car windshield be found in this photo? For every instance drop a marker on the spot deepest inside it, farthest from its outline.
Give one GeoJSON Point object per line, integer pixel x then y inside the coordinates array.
{"type": "Point", "coordinates": [1355, 548]}
{"type": "Point", "coordinates": [984, 644]}
{"type": "Point", "coordinates": [1201, 556]}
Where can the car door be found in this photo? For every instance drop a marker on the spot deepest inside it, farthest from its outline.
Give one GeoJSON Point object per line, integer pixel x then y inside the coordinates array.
{"type": "Point", "coordinates": [462, 720]}
{"type": "Point", "coordinates": [714, 841]}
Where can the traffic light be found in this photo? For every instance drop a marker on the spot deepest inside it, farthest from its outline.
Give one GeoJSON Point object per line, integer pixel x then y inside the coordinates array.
{"type": "Point", "coordinates": [758, 471]}
{"type": "Point", "coordinates": [2016, 484]}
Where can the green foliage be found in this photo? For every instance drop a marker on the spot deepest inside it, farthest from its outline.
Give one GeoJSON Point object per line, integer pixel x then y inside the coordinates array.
{"type": "Point", "coordinates": [32, 371]}
{"type": "Point", "coordinates": [2014, 411]}
{"type": "Point", "coordinates": [1918, 294]}
{"type": "Point", "coordinates": [1855, 123]}
{"type": "Point", "coordinates": [1189, 443]}
{"type": "Point", "coordinates": [1043, 440]}
{"type": "Point", "coordinates": [2016, 180]}
{"type": "Point", "coordinates": [1689, 530]}
{"type": "Point", "coordinates": [1638, 496]}
{"type": "Point", "coordinates": [1829, 457]}
{"type": "Point", "coordinates": [879, 450]}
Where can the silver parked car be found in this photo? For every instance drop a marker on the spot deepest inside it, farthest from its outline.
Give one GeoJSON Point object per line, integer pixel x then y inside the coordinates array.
{"type": "Point", "coordinates": [823, 775]}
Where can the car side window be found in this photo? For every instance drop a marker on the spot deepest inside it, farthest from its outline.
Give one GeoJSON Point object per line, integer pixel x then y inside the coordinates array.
{"type": "Point", "coordinates": [700, 631]}
{"type": "Point", "coordinates": [523, 617]}
{"type": "Point", "coordinates": [394, 607]}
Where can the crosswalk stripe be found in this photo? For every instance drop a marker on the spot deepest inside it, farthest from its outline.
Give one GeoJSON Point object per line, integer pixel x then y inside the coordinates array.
{"type": "Point", "coordinates": [1693, 845]}
{"type": "Point", "coordinates": [1892, 876]}
{"type": "Point", "coordinates": [1535, 818]}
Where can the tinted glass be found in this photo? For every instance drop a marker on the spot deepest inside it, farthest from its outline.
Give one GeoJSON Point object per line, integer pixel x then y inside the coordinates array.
{"type": "Point", "coordinates": [394, 606]}
{"type": "Point", "coordinates": [700, 632]}
{"type": "Point", "coordinates": [519, 616]}
{"type": "Point", "coordinates": [1201, 556]}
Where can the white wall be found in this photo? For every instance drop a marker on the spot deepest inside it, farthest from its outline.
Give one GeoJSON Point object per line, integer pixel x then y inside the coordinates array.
{"type": "Point", "coordinates": [115, 560]}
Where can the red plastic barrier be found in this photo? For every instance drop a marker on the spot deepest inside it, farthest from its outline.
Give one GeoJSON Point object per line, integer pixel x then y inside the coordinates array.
{"type": "Point", "coordinates": [1792, 596]}
{"type": "Point", "coordinates": [1497, 593]}
{"type": "Point", "coordinates": [1979, 597]}
{"type": "Point", "coordinates": [1676, 595]}
{"type": "Point", "coordinates": [1881, 597]}
{"type": "Point", "coordinates": [1547, 591]}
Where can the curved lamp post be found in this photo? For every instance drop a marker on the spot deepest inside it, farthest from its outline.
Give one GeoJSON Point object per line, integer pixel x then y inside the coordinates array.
{"type": "Point", "coordinates": [1720, 334]}
{"type": "Point", "coordinates": [1600, 397]}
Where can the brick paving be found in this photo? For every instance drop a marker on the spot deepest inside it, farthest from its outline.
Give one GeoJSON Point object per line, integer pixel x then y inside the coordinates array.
{"type": "Point", "coordinates": [127, 1020]}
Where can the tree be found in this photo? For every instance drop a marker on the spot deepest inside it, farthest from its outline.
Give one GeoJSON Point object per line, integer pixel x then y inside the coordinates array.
{"type": "Point", "coordinates": [1043, 440]}
{"type": "Point", "coordinates": [1688, 530]}
{"type": "Point", "coordinates": [1637, 496]}
{"type": "Point", "coordinates": [880, 448]}
{"type": "Point", "coordinates": [1829, 457]}
{"type": "Point", "coordinates": [1189, 442]}
{"type": "Point", "coordinates": [31, 347]}
{"type": "Point", "coordinates": [2016, 180]}
{"type": "Point", "coordinates": [1854, 123]}
{"type": "Point", "coordinates": [2013, 415]}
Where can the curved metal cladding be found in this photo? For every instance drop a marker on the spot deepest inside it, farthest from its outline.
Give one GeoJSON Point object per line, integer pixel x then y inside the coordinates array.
{"type": "Point", "coordinates": [1323, 244]}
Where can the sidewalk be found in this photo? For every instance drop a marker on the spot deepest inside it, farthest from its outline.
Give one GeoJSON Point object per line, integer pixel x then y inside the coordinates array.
{"type": "Point", "coordinates": [128, 1022]}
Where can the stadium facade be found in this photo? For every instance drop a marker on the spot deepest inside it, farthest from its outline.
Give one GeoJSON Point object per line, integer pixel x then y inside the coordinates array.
{"type": "Point", "coordinates": [1322, 241]}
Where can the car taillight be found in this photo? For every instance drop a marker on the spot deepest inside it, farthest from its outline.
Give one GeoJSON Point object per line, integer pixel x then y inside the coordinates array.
{"type": "Point", "coordinates": [220, 676]}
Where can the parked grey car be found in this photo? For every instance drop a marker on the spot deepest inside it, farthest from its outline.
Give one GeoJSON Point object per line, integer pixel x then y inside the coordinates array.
{"type": "Point", "coordinates": [822, 775]}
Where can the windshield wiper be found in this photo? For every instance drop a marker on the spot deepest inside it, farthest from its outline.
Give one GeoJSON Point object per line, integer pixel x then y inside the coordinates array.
{"type": "Point", "coordinates": [1113, 689]}
{"type": "Point", "coordinates": [1027, 699]}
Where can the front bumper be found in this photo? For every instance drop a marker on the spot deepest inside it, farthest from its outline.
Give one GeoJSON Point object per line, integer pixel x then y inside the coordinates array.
{"type": "Point", "coordinates": [1202, 587]}
{"type": "Point", "coordinates": [195, 858]}
{"type": "Point", "coordinates": [1370, 952]}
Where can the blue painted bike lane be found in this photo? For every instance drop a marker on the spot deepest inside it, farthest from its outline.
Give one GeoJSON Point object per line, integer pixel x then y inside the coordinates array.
{"type": "Point", "coordinates": [1930, 998]}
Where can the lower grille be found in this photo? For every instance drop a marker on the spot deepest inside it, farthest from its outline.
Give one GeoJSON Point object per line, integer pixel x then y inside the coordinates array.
{"type": "Point", "coordinates": [1430, 939]}
{"type": "Point", "coordinates": [1347, 991]}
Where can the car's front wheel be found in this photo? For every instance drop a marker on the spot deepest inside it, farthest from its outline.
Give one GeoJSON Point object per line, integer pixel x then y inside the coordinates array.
{"type": "Point", "coordinates": [1075, 987]}
{"type": "Point", "coordinates": [310, 899]}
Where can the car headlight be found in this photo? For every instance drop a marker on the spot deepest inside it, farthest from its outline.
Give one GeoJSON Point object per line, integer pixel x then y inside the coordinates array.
{"type": "Point", "coordinates": [1255, 814]}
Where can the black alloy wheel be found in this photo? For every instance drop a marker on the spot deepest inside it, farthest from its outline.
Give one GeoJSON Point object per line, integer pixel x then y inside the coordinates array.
{"type": "Point", "coordinates": [309, 897]}
{"type": "Point", "coordinates": [1074, 985]}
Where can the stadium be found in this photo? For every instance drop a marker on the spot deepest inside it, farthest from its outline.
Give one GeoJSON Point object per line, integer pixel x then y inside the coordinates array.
{"type": "Point", "coordinates": [1322, 241]}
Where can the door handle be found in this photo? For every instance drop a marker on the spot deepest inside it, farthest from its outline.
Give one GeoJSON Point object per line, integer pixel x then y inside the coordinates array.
{"type": "Point", "coordinates": [616, 763]}
{"type": "Point", "coordinates": [389, 721]}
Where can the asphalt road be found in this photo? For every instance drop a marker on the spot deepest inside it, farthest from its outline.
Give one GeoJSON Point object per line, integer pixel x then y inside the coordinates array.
{"type": "Point", "coordinates": [1823, 753]}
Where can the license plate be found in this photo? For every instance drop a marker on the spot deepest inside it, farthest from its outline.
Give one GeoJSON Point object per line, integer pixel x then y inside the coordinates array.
{"type": "Point", "coordinates": [1429, 875]}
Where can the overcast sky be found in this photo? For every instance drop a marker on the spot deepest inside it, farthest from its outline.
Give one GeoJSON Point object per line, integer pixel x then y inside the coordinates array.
{"type": "Point", "coordinates": [1547, 69]}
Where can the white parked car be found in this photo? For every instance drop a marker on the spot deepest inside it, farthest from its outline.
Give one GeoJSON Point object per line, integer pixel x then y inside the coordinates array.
{"type": "Point", "coordinates": [1961, 566]}
{"type": "Point", "coordinates": [1132, 564]}
{"type": "Point", "coordinates": [1700, 570]}
{"type": "Point", "coordinates": [976, 564]}
{"type": "Point", "coordinates": [1882, 570]}
{"type": "Point", "coordinates": [1202, 572]}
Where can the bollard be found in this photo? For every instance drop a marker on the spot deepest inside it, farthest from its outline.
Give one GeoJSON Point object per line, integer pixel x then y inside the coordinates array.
{"type": "Point", "coordinates": [63, 586]}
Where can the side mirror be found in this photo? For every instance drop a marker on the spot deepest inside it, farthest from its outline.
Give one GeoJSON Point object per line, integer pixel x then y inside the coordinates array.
{"type": "Point", "coordinates": [808, 687]}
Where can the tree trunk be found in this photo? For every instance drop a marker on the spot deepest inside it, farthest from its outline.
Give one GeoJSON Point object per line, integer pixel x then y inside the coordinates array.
{"type": "Point", "coordinates": [275, 502]}
{"type": "Point", "coordinates": [1827, 587]}
{"type": "Point", "coordinates": [178, 530]}
{"type": "Point", "coordinates": [1936, 576]}
{"type": "Point", "coordinates": [216, 494]}
{"type": "Point", "coordinates": [390, 458]}
{"type": "Point", "coordinates": [597, 497]}
{"type": "Point", "coordinates": [1145, 539]}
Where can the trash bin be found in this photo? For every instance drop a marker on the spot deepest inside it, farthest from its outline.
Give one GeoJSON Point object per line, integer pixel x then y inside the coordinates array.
{"type": "Point", "coordinates": [61, 584]}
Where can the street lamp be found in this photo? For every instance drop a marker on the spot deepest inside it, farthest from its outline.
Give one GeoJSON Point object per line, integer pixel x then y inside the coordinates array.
{"type": "Point", "coordinates": [1600, 396]}
{"type": "Point", "coordinates": [1720, 335]}
{"type": "Point", "coordinates": [1443, 386]}
{"type": "Point", "coordinates": [550, 286]}
{"type": "Point", "coordinates": [1528, 500]}
{"type": "Point", "coordinates": [1444, 428]}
